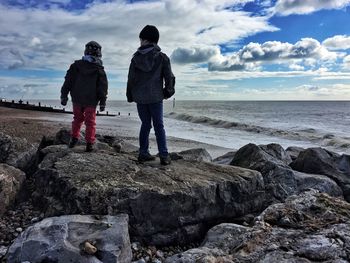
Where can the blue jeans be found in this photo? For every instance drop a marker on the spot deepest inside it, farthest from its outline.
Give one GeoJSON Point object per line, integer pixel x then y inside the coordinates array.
{"type": "Point", "coordinates": [147, 113]}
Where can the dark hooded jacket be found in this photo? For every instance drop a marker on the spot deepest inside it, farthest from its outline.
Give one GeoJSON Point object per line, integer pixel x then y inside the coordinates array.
{"type": "Point", "coordinates": [87, 83]}
{"type": "Point", "coordinates": [150, 78]}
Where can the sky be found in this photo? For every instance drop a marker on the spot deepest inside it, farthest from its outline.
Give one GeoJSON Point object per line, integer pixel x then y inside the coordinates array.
{"type": "Point", "coordinates": [219, 49]}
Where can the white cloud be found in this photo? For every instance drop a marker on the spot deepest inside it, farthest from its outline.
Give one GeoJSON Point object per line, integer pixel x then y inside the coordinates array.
{"type": "Point", "coordinates": [11, 58]}
{"type": "Point", "coordinates": [63, 34]}
{"type": "Point", "coordinates": [289, 7]}
{"type": "Point", "coordinates": [339, 42]}
{"type": "Point", "coordinates": [273, 52]}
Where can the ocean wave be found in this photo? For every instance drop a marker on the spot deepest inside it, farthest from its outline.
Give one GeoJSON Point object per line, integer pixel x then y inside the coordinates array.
{"type": "Point", "coordinates": [304, 134]}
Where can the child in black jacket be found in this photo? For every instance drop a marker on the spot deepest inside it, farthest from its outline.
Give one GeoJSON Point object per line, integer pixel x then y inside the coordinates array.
{"type": "Point", "coordinates": [86, 81]}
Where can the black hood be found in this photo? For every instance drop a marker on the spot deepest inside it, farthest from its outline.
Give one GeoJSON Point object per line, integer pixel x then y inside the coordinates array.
{"type": "Point", "coordinates": [86, 67]}
{"type": "Point", "coordinates": [147, 57]}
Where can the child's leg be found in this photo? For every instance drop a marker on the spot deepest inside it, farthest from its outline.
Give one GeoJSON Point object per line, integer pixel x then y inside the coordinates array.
{"type": "Point", "coordinates": [145, 117]}
{"type": "Point", "coordinates": [78, 120]}
{"type": "Point", "coordinates": [156, 110]}
{"type": "Point", "coordinates": [90, 123]}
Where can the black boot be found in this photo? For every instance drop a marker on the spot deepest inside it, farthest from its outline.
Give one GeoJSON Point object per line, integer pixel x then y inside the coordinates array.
{"type": "Point", "coordinates": [165, 160]}
{"type": "Point", "coordinates": [89, 147]}
{"type": "Point", "coordinates": [146, 158]}
{"type": "Point", "coordinates": [72, 142]}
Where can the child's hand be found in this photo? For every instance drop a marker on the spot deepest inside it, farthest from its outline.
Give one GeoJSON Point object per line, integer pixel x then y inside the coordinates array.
{"type": "Point", "coordinates": [64, 101]}
{"type": "Point", "coordinates": [102, 107]}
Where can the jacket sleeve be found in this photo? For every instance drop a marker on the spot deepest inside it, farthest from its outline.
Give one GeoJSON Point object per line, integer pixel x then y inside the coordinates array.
{"type": "Point", "coordinates": [130, 83]}
{"type": "Point", "coordinates": [68, 82]}
{"type": "Point", "coordinates": [169, 78]}
{"type": "Point", "coordinates": [102, 87]}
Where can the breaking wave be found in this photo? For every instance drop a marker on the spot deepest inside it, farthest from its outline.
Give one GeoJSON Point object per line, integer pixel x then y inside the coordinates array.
{"type": "Point", "coordinates": [308, 134]}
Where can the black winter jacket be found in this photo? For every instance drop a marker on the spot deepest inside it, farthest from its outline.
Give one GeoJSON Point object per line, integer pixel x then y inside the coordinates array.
{"type": "Point", "coordinates": [150, 78]}
{"type": "Point", "coordinates": [87, 84]}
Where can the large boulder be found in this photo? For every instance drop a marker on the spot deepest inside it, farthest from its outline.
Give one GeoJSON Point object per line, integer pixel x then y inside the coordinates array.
{"type": "Point", "coordinates": [312, 227]}
{"type": "Point", "coordinates": [11, 180]}
{"type": "Point", "coordinates": [17, 152]}
{"type": "Point", "coordinates": [280, 180]}
{"type": "Point", "coordinates": [63, 239]}
{"type": "Point", "coordinates": [330, 164]}
{"type": "Point", "coordinates": [171, 204]}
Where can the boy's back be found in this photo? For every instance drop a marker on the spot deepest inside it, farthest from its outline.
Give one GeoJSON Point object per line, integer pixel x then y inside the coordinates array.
{"type": "Point", "coordinates": [150, 78]}
{"type": "Point", "coordinates": [87, 83]}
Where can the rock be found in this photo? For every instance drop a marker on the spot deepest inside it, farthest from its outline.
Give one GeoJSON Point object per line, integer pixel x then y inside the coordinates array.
{"type": "Point", "coordinates": [280, 180]}
{"type": "Point", "coordinates": [318, 231]}
{"type": "Point", "coordinates": [17, 152]}
{"type": "Point", "coordinates": [172, 204]}
{"type": "Point", "coordinates": [122, 146]}
{"type": "Point", "coordinates": [225, 159]}
{"type": "Point", "coordinates": [63, 137]}
{"type": "Point", "coordinates": [277, 151]}
{"type": "Point", "coordinates": [332, 165]}
{"type": "Point", "coordinates": [11, 180]}
{"type": "Point", "coordinates": [294, 151]}
{"type": "Point", "coordinates": [3, 251]}
{"type": "Point", "coordinates": [199, 154]}
{"type": "Point", "coordinates": [89, 248]}
{"type": "Point", "coordinates": [58, 239]}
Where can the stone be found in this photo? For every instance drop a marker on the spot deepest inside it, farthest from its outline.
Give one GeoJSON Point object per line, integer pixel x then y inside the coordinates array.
{"type": "Point", "coordinates": [294, 151]}
{"type": "Point", "coordinates": [166, 205]}
{"type": "Point", "coordinates": [198, 154]}
{"type": "Point", "coordinates": [225, 159]}
{"type": "Point", "coordinates": [280, 180]}
{"type": "Point", "coordinates": [11, 181]}
{"type": "Point", "coordinates": [322, 161]}
{"type": "Point", "coordinates": [60, 239]}
{"type": "Point", "coordinates": [318, 231]}
{"type": "Point", "coordinates": [17, 152]}
{"type": "Point", "coordinates": [3, 251]}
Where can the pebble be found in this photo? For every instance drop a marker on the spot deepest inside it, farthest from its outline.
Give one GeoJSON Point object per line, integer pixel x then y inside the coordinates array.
{"type": "Point", "coordinates": [19, 229]}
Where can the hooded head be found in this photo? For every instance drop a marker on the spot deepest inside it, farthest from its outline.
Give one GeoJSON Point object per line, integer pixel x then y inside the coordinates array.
{"type": "Point", "coordinates": [150, 33]}
{"type": "Point", "coordinates": [93, 48]}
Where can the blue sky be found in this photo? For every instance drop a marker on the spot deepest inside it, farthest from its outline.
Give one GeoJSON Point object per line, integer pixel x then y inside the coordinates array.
{"type": "Point", "coordinates": [220, 50]}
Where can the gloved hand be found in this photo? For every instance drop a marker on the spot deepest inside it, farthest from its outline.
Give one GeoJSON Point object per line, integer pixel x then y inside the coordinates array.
{"type": "Point", "coordinates": [64, 101]}
{"type": "Point", "coordinates": [102, 107]}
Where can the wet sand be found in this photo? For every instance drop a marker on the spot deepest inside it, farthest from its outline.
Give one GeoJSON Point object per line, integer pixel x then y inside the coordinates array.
{"type": "Point", "coordinates": [33, 125]}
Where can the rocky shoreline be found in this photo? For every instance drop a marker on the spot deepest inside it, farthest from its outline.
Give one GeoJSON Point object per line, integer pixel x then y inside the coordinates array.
{"type": "Point", "coordinates": [261, 203]}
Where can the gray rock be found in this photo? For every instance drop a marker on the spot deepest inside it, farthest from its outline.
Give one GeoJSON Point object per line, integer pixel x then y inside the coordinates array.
{"type": "Point", "coordinates": [166, 205]}
{"type": "Point", "coordinates": [294, 151]}
{"type": "Point", "coordinates": [199, 154]}
{"type": "Point", "coordinates": [277, 152]}
{"type": "Point", "coordinates": [225, 159]}
{"type": "Point", "coordinates": [3, 251]}
{"type": "Point", "coordinates": [17, 152]}
{"type": "Point", "coordinates": [11, 180]}
{"type": "Point", "coordinates": [332, 165]}
{"type": "Point", "coordinates": [61, 239]}
{"type": "Point", "coordinates": [280, 180]}
{"type": "Point", "coordinates": [318, 231]}
{"type": "Point", "coordinates": [122, 146]}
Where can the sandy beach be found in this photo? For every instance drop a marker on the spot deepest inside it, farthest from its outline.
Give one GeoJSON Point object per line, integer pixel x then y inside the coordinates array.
{"type": "Point", "coordinates": [32, 125]}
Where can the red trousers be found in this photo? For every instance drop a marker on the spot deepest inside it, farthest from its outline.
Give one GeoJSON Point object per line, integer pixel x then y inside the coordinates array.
{"type": "Point", "coordinates": [87, 115]}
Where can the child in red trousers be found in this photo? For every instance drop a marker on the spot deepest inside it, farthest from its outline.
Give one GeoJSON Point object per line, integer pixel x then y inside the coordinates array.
{"type": "Point", "coordinates": [86, 81]}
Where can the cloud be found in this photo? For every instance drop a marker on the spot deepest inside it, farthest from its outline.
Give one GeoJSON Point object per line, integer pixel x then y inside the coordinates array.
{"type": "Point", "coordinates": [289, 7]}
{"type": "Point", "coordinates": [194, 55]}
{"type": "Point", "coordinates": [11, 58]}
{"type": "Point", "coordinates": [53, 38]}
{"type": "Point", "coordinates": [339, 42]}
{"type": "Point", "coordinates": [346, 63]}
{"type": "Point", "coordinates": [272, 52]}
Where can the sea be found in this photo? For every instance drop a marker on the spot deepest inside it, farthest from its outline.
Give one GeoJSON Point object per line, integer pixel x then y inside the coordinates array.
{"type": "Point", "coordinates": [233, 124]}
